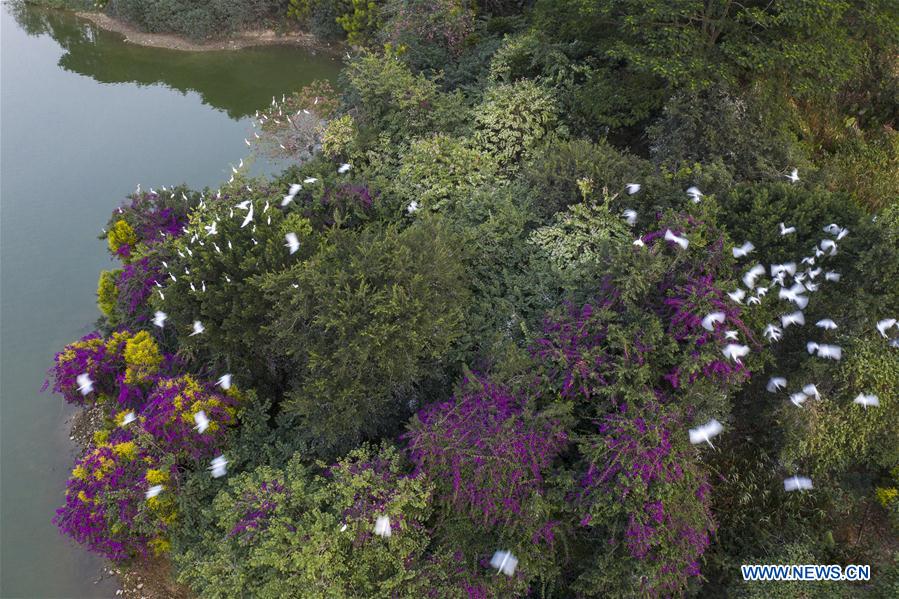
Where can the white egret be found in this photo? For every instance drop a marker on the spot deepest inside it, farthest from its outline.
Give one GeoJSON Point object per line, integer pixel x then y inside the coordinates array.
{"type": "Point", "coordinates": [85, 384]}
{"type": "Point", "coordinates": [224, 381]}
{"type": "Point", "coordinates": [683, 242]}
{"type": "Point", "coordinates": [630, 216]}
{"type": "Point", "coordinates": [775, 384]}
{"type": "Point", "coordinates": [217, 466]}
{"type": "Point", "coordinates": [382, 526]}
{"type": "Point", "coordinates": [632, 188]}
{"type": "Point", "coordinates": [785, 230]}
{"type": "Point", "coordinates": [827, 324]}
{"type": "Point", "coordinates": [797, 483]}
{"type": "Point", "coordinates": [705, 432]}
{"type": "Point", "coordinates": [202, 421]}
{"type": "Point", "coordinates": [292, 242]}
{"type": "Point", "coordinates": [743, 250]}
{"type": "Point", "coordinates": [866, 400]}
{"type": "Point", "coordinates": [198, 328]}
{"type": "Point", "coordinates": [504, 562]}
{"type": "Point", "coordinates": [159, 318]}
{"type": "Point", "coordinates": [708, 323]}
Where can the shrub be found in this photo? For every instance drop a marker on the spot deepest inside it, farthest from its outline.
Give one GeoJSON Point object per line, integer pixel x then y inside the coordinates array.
{"type": "Point", "coordinates": [513, 119]}
{"type": "Point", "coordinates": [373, 315]}
{"type": "Point", "coordinates": [428, 34]}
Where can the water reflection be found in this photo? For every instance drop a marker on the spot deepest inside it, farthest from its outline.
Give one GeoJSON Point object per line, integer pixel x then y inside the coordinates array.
{"type": "Point", "coordinates": [236, 82]}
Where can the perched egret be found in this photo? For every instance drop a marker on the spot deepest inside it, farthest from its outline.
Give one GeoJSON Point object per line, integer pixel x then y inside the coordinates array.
{"type": "Point", "coordinates": [248, 219]}
{"type": "Point", "coordinates": [632, 188]}
{"type": "Point", "coordinates": [412, 207]}
{"type": "Point", "coordinates": [831, 352]}
{"type": "Point", "coordinates": [826, 323]}
{"type": "Point", "coordinates": [812, 391]}
{"type": "Point", "coordinates": [773, 332]}
{"type": "Point", "coordinates": [798, 398]}
{"type": "Point", "coordinates": [695, 194]}
{"type": "Point", "coordinates": [129, 418]}
{"type": "Point", "coordinates": [343, 168]}
{"type": "Point", "coordinates": [775, 384]}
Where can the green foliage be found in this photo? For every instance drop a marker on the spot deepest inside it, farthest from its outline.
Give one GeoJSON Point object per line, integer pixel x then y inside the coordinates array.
{"type": "Point", "coordinates": [513, 119]}
{"type": "Point", "coordinates": [361, 22]}
{"type": "Point", "coordinates": [439, 170]}
{"type": "Point", "coordinates": [868, 168]}
{"type": "Point", "coordinates": [363, 322]}
{"type": "Point", "coordinates": [338, 137]}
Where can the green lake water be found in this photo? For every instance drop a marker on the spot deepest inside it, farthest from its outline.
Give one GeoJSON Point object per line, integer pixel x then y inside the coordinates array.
{"type": "Point", "coordinates": [85, 117]}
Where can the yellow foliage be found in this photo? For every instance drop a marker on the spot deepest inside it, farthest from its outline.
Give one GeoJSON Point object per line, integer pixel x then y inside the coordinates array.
{"type": "Point", "coordinates": [887, 496]}
{"type": "Point", "coordinates": [126, 450]}
{"type": "Point", "coordinates": [120, 234]}
{"type": "Point", "coordinates": [80, 472]}
{"type": "Point", "coordinates": [107, 292]}
{"type": "Point", "coordinates": [142, 358]}
{"type": "Point", "coordinates": [160, 545]}
{"type": "Point", "coordinates": [156, 477]}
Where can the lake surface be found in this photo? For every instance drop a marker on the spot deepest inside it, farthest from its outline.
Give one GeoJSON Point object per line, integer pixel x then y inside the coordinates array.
{"type": "Point", "coordinates": [85, 117]}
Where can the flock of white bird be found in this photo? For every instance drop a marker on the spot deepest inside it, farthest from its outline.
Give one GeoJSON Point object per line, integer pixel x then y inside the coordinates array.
{"type": "Point", "coordinates": [802, 282]}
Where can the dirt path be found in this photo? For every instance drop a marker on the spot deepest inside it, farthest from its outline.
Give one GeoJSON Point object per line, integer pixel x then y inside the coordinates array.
{"type": "Point", "coordinates": [237, 41]}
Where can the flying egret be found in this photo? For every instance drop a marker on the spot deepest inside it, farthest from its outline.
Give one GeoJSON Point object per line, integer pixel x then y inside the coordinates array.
{"type": "Point", "coordinates": [129, 418]}
{"type": "Point", "coordinates": [85, 384]}
{"type": "Point", "coordinates": [732, 335]}
{"type": "Point", "coordinates": [310, 180]}
{"type": "Point", "coordinates": [248, 219]}
{"type": "Point", "coordinates": [793, 318]}
{"type": "Point", "coordinates": [217, 466]}
{"type": "Point", "coordinates": [708, 323]}
{"type": "Point", "coordinates": [683, 242]}
{"type": "Point", "coordinates": [639, 243]}
{"type": "Point", "coordinates": [829, 246]}
{"type": "Point", "coordinates": [775, 384]}
{"type": "Point", "coordinates": [826, 323]}
{"type": "Point", "coordinates": [159, 318]}
{"type": "Point", "coordinates": [224, 381]}
{"type": "Point", "coordinates": [632, 188]}
{"type": "Point", "coordinates": [735, 351]}
{"type": "Point", "coordinates": [504, 562]}
{"type": "Point", "coordinates": [773, 332]}
{"type": "Point", "coordinates": [832, 276]}
{"type": "Point", "coordinates": [884, 325]}
{"type": "Point", "coordinates": [695, 194]}
{"type": "Point", "coordinates": [785, 230]}
{"type": "Point", "coordinates": [832, 352]}
{"type": "Point", "coordinates": [737, 295]}
{"type": "Point", "coordinates": [202, 421]}
{"type": "Point", "coordinates": [866, 400]}
{"type": "Point", "coordinates": [752, 274]}
{"type": "Point", "coordinates": [798, 398]}
{"type": "Point", "coordinates": [743, 250]}
{"type": "Point", "coordinates": [793, 176]}
{"type": "Point", "coordinates": [245, 205]}
{"type": "Point", "coordinates": [630, 216]}
{"type": "Point", "coordinates": [382, 526]}
{"type": "Point", "coordinates": [343, 168]}
{"type": "Point", "coordinates": [797, 483]}
{"type": "Point", "coordinates": [412, 207]}
{"type": "Point", "coordinates": [154, 491]}
{"type": "Point", "coordinates": [705, 432]}
{"type": "Point", "coordinates": [198, 328]}
{"type": "Point", "coordinates": [292, 242]}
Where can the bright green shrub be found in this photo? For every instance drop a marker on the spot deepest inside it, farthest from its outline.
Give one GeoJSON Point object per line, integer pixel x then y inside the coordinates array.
{"type": "Point", "coordinates": [868, 169]}
{"type": "Point", "coordinates": [513, 119]}
{"type": "Point", "coordinates": [338, 137]}
{"type": "Point", "coordinates": [441, 169]}
{"type": "Point", "coordinates": [361, 22]}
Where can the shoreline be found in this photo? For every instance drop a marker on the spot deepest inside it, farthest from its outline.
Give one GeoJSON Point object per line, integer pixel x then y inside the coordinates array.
{"type": "Point", "coordinates": [237, 41]}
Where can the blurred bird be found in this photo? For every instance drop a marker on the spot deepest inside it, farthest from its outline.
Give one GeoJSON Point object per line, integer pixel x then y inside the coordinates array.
{"type": "Point", "coordinates": [775, 384]}
{"type": "Point", "coordinates": [129, 418]}
{"type": "Point", "coordinates": [793, 176]}
{"type": "Point", "coordinates": [732, 335]}
{"type": "Point", "coordinates": [630, 216]}
{"type": "Point", "coordinates": [695, 194]}
{"type": "Point", "coordinates": [743, 250]}
{"type": "Point", "coordinates": [245, 205]}
{"type": "Point", "coordinates": [683, 242]}
{"type": "Point", "coordinates": [292, 242]}
{"type": "Point", "coordinates": [412, 207]}
{"type": "Point", "coordinates": [773, 332]}
{"type": "Point", "coordinates": [159, 318]}
{"type": "Point", "coordinates": [829, 246]}
{"type": "Point", "coordinates": [812, 391]}
{"type": "Point", "coordinates": [217, 466]}
{"type": "Point", "coordinates": [504, 562]}
{"type": "Point", "coordinates": [344, 168]}
{"type": "Point", "coordinates": [154, 491]}
{"type": "Point", "coordinates": [708, 323]}
{"type": "Point", "coordinates": [737, 295]}
{"type": "Point", "coordinates": [632, 188]}
{"type": "Point", "coordinates": [785, 230]}
{"type": "Point", "coordinates": [793, 318]}
{"type": "Point", "coordinates": [639, 243]}
{"type": "Point", "coordinates": [705, 432]}
{"type": "Point", "coordinates": [826, 323]}
{"type": "Point", "coordinates": [884, 325]}
{"type": "Point", "coordinates": [832, 352]}
{"type": "Point", "coordinates": [310, 180]}
{"type": "Point", "coordinates": [752, 274]}
{"type": "Point", "coordinates": [866, 400]}
{"type": "Point", "coordinates": [198, 328]}
{"type": "Point", "coordinates": [786, 267]}
{"type": "Point", "coordinates": [798, 398]}
{"type": "Point", "coordinates": [793, 294]}
{"type": "Point", "coordinates": [832, 276]}
{"type": "Point", "coordinates": [382, 526]}
{"type": "Point", "coordinates": [249, 218]}
{"type": "Point", "coordinates": [224, 381]}
{"type": "Point", "coordinates": [797, 483]}
{"type": "Point", "coordinates": [85, 384]}
{"type": "Point", "coordinates": [811, 347]}
{"type": "Point", "coordinates": [734, 351]}
{"type": "Point", "coordinates": [202, 421]}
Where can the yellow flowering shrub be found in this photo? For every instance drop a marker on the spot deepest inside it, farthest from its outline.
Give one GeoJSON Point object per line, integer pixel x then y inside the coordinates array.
{"type": "Point", "coordinates": [142, 358]}
{"type": "Point", "coordinates": [120, 234]}
{"type": "Point", "coordinates": [107, 292]}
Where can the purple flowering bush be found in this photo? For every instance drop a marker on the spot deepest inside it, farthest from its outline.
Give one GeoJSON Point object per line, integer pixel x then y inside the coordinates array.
{"type": "Point", "coordinates": [485, 455]}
